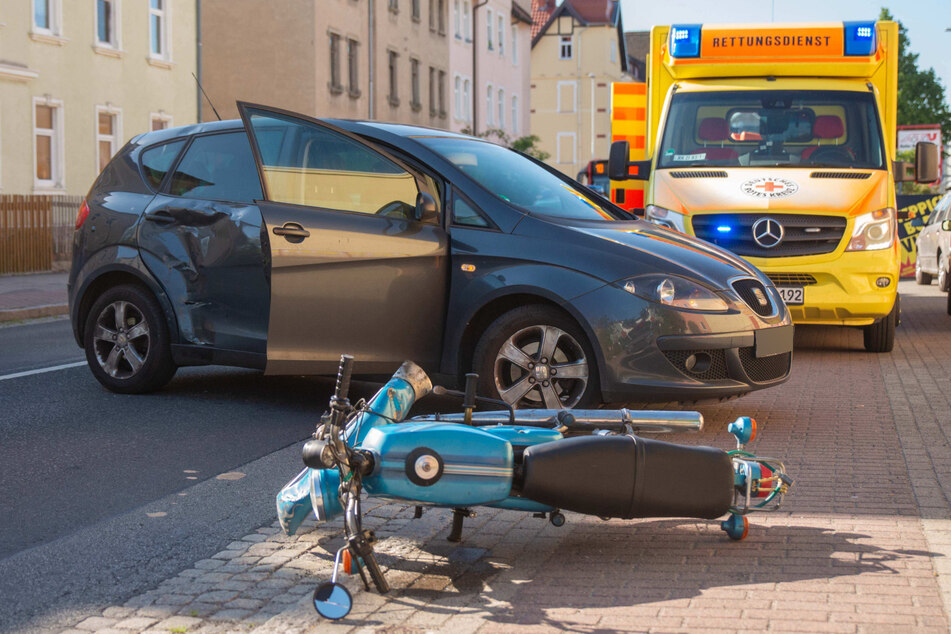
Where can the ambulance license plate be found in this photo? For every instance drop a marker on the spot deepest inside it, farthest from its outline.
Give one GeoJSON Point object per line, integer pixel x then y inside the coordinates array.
{"type": "Point", "coordinates": [792, 295]}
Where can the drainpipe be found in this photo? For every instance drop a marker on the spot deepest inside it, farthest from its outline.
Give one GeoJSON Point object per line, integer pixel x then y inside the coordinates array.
{"type": "Point", "coordinates": [591, 76]}
{"type": "Point", "coordinates": [370, 95]}
{"type": "Point", "coordinates": [475, 53]}
{"type": "Point", "coordinates": [198, 54]}
{"type": "Point", "coordinates": [577, 51]}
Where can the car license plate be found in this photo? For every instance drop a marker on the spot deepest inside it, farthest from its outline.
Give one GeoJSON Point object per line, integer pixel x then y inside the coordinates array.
{"type": "Point", "coordinates": [792, 295]}
{"type": "Point", "coordinates": [775, 340]}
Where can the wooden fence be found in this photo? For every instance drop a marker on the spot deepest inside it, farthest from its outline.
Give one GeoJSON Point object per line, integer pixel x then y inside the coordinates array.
{"type": "Point", "coordinates": [36, 232]}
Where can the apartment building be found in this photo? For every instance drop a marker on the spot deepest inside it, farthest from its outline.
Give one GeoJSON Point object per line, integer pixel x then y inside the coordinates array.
{"type": "Point", "coordinates": [372, 59]}
{"type": "Point", "coordinates": [489, 58]}
{"type": "Point", "coordinates": [79, 78]}
{"type": "Point", "coordinates": [578, 50]}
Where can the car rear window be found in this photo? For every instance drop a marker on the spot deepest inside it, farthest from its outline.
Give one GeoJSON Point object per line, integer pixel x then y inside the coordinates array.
{"type": "Point", "coordinates": [218, 167]}
{"type": "Point", "coordinates": [156, 161]}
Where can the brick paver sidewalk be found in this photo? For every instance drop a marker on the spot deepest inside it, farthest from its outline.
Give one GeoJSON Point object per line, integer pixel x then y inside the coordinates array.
{"type": "Point", "coordinates": [863, 544]}
{"type": "Point", "coordinates": [32, 295]}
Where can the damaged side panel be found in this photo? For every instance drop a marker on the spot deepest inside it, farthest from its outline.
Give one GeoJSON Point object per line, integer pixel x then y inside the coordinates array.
{"type": "Point", "coordinates": [209, 257]}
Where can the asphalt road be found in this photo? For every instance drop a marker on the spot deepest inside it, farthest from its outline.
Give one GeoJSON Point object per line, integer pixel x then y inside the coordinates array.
{"type": "Point", "coordinates": [113, 492]}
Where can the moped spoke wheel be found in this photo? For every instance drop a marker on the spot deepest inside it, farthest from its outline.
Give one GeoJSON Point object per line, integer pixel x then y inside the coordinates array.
{"type": "Point", "coordinates": [541, 366]}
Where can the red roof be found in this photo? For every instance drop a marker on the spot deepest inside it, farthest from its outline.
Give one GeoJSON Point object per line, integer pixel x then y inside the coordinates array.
{"type": "Point", "coordinates": [589, 12]}
{"type": "Point", "coordinates": [541, 10]}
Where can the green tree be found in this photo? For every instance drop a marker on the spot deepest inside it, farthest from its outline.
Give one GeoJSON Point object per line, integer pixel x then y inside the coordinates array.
{"type": "Point", "coordinates": [525, 144]}
{"type": "Point", "coordinates": [921, 96]}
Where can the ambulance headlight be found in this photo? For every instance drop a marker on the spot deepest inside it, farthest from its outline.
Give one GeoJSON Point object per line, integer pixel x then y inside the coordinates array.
{"type": "Point", "coordinates": [665, 218]}
{"type": "Point", "coordinates": [873, 231]}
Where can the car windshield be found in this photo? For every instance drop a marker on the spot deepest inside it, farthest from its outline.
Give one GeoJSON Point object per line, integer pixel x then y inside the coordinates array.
{"type": "Point", "coordinates": [772, 128]}
{"type": "Point", "coordinates": [517, 180]}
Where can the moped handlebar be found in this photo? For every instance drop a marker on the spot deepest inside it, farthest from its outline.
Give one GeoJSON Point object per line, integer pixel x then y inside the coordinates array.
{"type": "Point", "coordinates": [343, 377]}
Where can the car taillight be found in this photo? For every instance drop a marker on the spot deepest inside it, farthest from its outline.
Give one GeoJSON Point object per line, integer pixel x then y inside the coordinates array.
{"type": "Point", "coordinates": [82, 215]}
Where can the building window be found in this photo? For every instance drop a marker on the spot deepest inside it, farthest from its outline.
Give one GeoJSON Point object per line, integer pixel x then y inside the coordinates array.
{"type": "Point", "coordinates": [466, 101]}
{"type": "Point", "coordinates": [415, 103]}
{"type": "Point", "coordinates": [441, 9]}
{"type": "Point", "coordinates": [47, 16]}
{"type": "Point", "coordinates": [107, 134]}
{"type": "Point", "coordinates": [432, 91]}
{"type": "Point", "coordinates": [160, 121]}
{"type": "Point", "coordinates": [416, 10]}
{"type": "Point", "coordinates": [566, 96]}
{"type": "Point", "coordinates": [467, 20]}
{"type": "Point", "coordinates": [613, 51]}
{"type": "Point", "coordinates": [353, 79]}
{"type": "Point", "coordinates": [48, 144]}
{"type": "Point", "coordinates": [394, 93]}
{"type": "Point", "coordinates": [501, 35]}
{"type": "Point", "coordinates": [565, 48]}
{"type": "Point", "coordinates": [158, 29]}
{"type": "Point", "coordinates": [501, 102]}
{"type": "Point", "coordinates": [565, 147]}
{"type": "Point", "coordinates": [394, 6]}
{"type": "Point", "coordinates": [457, 98]}
{"type": "Point", "coordinates": [488, 105]}
{"type": "Point", "coordinates": [488, 29]}
{"type": "Point", "coordinates": [442, 93]}
{"type": "Point", "coordinates": [457, 18]}
{"type": "Point", "coordinates": [336, 84]}
{"type": "Point", "coordinates": [514, 114]}
{"type": "Point", "coordinates": [106, 23]}
{"type": "Point", "coordinates": [515, 45]}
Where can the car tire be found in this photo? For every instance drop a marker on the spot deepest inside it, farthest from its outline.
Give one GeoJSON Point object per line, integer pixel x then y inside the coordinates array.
{"type": "Point", "coordinates": [508, 358]}
{"type": "Point", "coordinates": [880, 336]}
{"type": "Point", "coordinates": [922, 278]}
{"type": "Point", "coordinates": [942, 273]}
{"type": "Point", "coordinates": [134, 356]}
{"type": "Point", "coordinates": [949, 303]}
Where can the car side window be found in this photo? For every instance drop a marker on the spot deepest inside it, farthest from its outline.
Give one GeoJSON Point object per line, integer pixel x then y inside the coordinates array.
{"type": "Point", "coordinates": [308, 164]}
{"type": "Point", "coordinates": [217, 167]}
{"type": "Point", "coordinates": [465, 214]}
{"type": "Point", "coordinates": [157, 160]}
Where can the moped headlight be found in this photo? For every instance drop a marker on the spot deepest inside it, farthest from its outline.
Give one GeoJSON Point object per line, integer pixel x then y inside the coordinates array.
{"type": "Point", "coordinates": [873, 231]}
{"type": "Point", "coordinates": [665, 217]}
{"type": "Point", "coordinates": [671, 290]}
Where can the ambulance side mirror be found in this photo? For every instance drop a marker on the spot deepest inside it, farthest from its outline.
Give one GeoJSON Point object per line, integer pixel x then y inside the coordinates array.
{"type": "Point", "coordinates": [926, 162]}
{"type": "Point", "coordinates": [620, 167]}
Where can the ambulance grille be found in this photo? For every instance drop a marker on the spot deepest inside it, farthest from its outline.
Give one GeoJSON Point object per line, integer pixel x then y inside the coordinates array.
{"type": "Point", "coordinates": [699, 174]}
{"type": "Point", "coordinates": [859, 176]}
{"type": "Point", "coordinates": [792, 279]}
{"type": "Point", "coordinates": [803, 234]}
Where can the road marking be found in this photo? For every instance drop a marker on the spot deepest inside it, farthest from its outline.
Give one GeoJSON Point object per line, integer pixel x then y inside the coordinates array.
{"type": "Point", "coordinates": [17, 375]}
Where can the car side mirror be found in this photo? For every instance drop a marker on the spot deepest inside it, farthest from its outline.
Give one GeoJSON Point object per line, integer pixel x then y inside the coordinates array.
{"type": "Point", "coordinates": [425, 208]}
{"type": "Point", "coordinates": [620, 166]}
{"type": "Point", "coordinates": [926, 162]}
{"type": "Point", "coordinates": [946, 225]}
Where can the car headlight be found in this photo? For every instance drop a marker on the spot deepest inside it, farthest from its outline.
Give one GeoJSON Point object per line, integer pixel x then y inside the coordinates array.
{"type": "Point", "coordinates": [665, 217]}
{"type": "Point", "coordinates": [678, 292]}
{"type": "Point", "coordinates": [873, 231]}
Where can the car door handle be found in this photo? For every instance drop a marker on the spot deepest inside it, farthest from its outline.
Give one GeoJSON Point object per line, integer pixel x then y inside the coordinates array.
{"type": "Point", "coordinates": [291, 230]}
{"type": "Point", "coordinates": [161, 217]}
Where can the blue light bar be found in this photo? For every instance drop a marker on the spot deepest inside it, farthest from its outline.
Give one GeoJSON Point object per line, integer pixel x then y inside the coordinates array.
{"type": "Point", "coordinates": [860, 38]}
{"type": "Point", "coordinates": [724, 228]}
{"type": "Point", "coordinates": [685, 40]}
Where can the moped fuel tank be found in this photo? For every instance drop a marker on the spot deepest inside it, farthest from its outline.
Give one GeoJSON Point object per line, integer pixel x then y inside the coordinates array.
{"type": "Point", "coordinates": [437, 463]}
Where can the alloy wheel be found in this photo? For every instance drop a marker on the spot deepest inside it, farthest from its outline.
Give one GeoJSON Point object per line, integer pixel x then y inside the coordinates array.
{"type": "Point", "coordinates": [121, 339]}
{"type": "Point", "coordinates": [541, 366]}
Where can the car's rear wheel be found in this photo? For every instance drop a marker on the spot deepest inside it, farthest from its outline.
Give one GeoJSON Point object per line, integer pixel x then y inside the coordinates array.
{"type": "Point", "coordinates": [942, 273]}
{"type": "Point", "coordinates": [880, 336]}
{"type": "Point", "coordinates": [127, 342]}
{"type": "Point", "coordinates": [921, 277]}
{"type": "Point", "coordinates": [537, 357]}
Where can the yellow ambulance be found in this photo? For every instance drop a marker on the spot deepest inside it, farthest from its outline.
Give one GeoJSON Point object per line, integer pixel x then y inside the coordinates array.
{"type": "Point", "coordinates": [777, 142]}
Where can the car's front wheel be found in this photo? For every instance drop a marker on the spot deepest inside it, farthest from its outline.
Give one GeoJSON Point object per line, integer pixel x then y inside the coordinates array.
{"type": "Point", "coordinates": [921, 277]}
{"type": "Point", "coordinates": [943, 265]}
{"type": "Point", "coordinates": [127, 342]}
{"type": "Point", "coordinates": [537, 357]}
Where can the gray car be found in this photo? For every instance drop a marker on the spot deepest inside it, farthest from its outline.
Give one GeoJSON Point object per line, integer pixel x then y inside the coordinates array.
{"type": "Point", "coordinates": [279, 242]}
{"type": "Point", "coordinates": [933, 246]}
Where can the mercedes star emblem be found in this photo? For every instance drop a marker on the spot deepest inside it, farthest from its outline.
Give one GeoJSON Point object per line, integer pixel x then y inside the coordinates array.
{"type": "Point", "coordinates": [767, 233]}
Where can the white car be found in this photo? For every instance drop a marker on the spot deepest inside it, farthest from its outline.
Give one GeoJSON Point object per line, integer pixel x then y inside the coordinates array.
{"type": "Point", "coordinates": [934, 246]}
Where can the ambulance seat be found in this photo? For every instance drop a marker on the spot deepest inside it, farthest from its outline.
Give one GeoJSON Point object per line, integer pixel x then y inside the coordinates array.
{"type": "Point", "coordinates": [716, 130]}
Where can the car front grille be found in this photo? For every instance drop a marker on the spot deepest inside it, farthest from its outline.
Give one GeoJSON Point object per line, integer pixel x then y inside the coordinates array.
{"type": "Point", "coordinates": [764, 369]}
{"type": "Point", "coordinates": [714, 371]}
{"type": "Point", "coordinates": [792, 279]}
{"type": "Point", "coordinates": [803, 234]}
{"type": "Point", "coordinates": [752, 291]}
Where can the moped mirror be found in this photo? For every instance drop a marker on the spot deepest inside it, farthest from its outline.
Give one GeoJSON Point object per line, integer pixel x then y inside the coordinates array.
{"type": "Point", "coordinates": [425, 208]}
{"type": "Point", "coordinates": [332, 600]}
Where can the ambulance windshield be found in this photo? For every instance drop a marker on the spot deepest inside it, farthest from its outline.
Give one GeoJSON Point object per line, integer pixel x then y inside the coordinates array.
{"type": "Point", "coordinates": [772, 128]}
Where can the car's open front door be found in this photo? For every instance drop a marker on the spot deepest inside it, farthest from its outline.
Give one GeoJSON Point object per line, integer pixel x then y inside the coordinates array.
{"type": "Point", "coordinates": [352, 269]}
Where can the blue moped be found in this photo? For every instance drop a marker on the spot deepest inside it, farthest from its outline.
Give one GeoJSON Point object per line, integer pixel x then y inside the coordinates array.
{"type": "Point", "coordinates": [538, 461]}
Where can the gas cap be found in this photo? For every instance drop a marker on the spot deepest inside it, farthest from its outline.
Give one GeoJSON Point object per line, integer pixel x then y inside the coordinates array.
{"type": "Point", "coordinates": [424, 466]}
